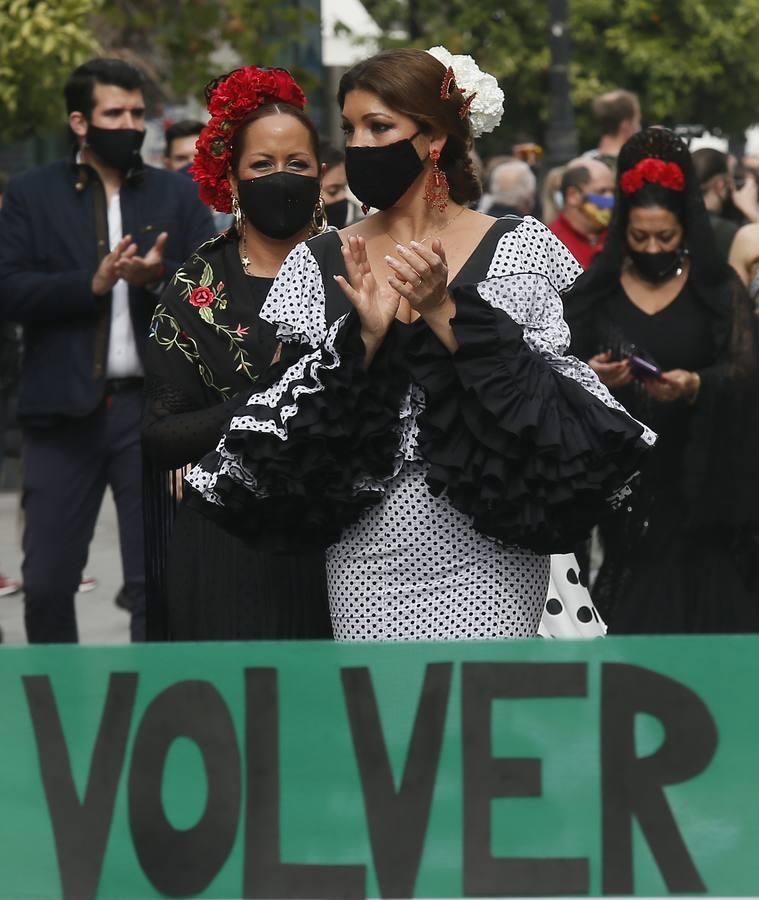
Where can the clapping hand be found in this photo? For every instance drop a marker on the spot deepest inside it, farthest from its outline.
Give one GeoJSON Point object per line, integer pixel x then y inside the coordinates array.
{"type": "Point", "coordinates": [376, 306]}
{"type": "Point", "coordinates": [123, 262]}
{"type": "Point", "coordinates": [140, 271]}
{"type": "Point", "coordinates": [422, 278]}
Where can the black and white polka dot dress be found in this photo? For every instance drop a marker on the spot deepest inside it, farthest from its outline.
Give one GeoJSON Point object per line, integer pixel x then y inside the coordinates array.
{"type": "Point", "coordinates": [439, 484]}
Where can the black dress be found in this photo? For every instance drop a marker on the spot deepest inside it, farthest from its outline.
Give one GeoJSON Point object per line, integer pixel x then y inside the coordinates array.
{"type": "Point", "coordinates": [680, 557]}
{"type": "Point", "coordinates": [207, 347]}
{"type": "Point", "coordinates": [438, 482]}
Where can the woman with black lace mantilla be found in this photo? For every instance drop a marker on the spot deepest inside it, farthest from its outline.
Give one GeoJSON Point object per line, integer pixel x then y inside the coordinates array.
{"type": "Point", "coordinates": [257, 157]}
{"type": "Point", "coordinates": [668, 327]}
{"type": "Point", "coordinates": [423, 424]}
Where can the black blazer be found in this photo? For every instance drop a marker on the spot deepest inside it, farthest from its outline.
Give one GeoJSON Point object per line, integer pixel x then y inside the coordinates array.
{"type": "Point", "coordinates": [48, 256]}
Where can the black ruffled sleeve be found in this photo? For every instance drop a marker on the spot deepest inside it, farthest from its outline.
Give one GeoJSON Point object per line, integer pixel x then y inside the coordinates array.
{"type": "Point", "coordinates": [302, 455]}
{"type": "Point", "coordinates": [519, 442]}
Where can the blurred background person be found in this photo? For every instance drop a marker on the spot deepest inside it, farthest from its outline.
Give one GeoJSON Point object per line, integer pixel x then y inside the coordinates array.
{"type": "Point", "coordinates": [667, 326]}
{"type": "Point", "coordinates": [551, 196]}
{"type": "Point", "coordinates": [510, 190]}
{"type": "Point", "coordinates": [727, 207]}
{"type": "Point", "coordinates": [587, 190]}
{"type": "Point", "coordinates": [83, 258]}
{"type": "Point", "coordinates": [617, 114]}
{"type": "Point", "coordinates": [181, 138]}
{"type": "Point", "coordinates": [744, 258]}
{"type": "Point", "coordinates": [341, 207]}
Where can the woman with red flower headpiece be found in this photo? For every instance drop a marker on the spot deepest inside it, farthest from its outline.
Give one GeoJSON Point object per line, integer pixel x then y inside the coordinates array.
{"type": "Point", "coordinates": [668, 328]}
{"type": "Point", "coordinates": [423, 424]}
{"type": "Point", "coordinates": [258, 157]}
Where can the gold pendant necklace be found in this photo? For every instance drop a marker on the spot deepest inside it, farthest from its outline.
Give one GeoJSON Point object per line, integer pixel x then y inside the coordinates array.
{"type": "Point", "coordinates": [432, 233]}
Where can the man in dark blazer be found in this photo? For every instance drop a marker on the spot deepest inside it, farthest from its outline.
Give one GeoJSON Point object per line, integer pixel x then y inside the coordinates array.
{"type": "Point", "coordinates": [86, 245]}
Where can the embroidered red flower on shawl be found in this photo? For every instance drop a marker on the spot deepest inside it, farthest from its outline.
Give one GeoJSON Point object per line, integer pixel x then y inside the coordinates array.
{"type": "Point", "coordinates": [231, 101]}
{"type": "Point", "coordinates": [653, 171]}
{"type": "Point", "coordinates": [202, 296]}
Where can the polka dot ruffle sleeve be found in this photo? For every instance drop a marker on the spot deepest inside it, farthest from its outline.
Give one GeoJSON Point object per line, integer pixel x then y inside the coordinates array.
{"type": "Point", "coordinates": [303, 453]}
{"type": "Point", "coordinates": [521, 438]}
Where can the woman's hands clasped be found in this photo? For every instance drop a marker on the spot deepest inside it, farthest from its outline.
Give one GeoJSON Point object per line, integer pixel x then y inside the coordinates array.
{"type": "Point", "coordinates": [420, 276]}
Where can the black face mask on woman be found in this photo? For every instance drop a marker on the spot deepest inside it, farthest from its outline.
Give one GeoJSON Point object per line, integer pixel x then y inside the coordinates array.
{"type": "Point", "coordinates": [657, 267]}
{"type": "Point", "coordinates": [337, 213]}
{"type": "Point", "coordinates": [380, 176]}
{"type": "Point", "coordinates": [279, 205]}
{"type": "Point", "coordinates": [118, 148]}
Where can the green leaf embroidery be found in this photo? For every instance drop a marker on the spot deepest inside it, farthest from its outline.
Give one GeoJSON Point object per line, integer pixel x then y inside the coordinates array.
{"type": "Point", "coordinates": [207, 277]}
{"type": "Point", "coordinates": [206, 314]}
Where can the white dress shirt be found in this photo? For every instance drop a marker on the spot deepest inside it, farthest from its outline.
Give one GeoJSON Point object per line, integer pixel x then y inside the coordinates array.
{"type": "Point", "coordinates": [123, 359]}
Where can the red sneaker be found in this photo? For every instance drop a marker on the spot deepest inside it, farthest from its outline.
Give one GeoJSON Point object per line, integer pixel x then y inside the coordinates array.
{"type": "Point", "coordinates": [8, 586]}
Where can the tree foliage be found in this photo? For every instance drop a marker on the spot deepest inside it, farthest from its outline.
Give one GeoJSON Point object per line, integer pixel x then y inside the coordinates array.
{"type": "Point", "coordinates": [689, 60]}
{"type": "Point", "coordinates": [40, 43]}
{"type": "Point", "coordinates": [186, 43]}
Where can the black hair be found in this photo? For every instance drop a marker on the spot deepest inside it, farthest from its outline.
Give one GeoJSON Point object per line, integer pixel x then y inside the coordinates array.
{"type": "Point", "coordinates": [575, 177]}
{"type": "Point", "coordinates": [707, 266]}
{"type": "Point", "coordinates": [183, 129]}
{"type": "Point", "coordinates": [330, 155]}
{"type": "Point", "coordinates": [79, 89]}
{"type": "Point", "coordinates": [708, 163]}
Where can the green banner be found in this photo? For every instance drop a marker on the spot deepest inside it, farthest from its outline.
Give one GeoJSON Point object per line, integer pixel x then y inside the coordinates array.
{"type": "Point", "coordinates": [484, 769]}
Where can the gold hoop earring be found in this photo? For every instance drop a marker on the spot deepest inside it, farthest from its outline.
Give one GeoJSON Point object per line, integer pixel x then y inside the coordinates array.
{"type": "Point", "coordinates": [319, 218]}
{"type": "Point", "coordinates": [238, 214]}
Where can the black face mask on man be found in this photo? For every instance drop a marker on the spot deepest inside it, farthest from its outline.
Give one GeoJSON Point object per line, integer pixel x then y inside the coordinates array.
{"type": "Point", "coordinates": [657, 267]}
{"type": "Point", "coordinates": [380, 176]}
{"type": "Point", "coordinates": [279, 205]}
{"type": "Point", "coordinates": [118, 148]}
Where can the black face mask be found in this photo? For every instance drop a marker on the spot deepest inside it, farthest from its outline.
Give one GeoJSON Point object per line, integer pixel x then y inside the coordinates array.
{"type": "Point", "coordinates": [380, 176]}
{"type": "Point", "coordinates": [279, 205]}
{"type": "Point", "coordinates": [657, 267]}
{"type": "Point", "coordinates": [337, 213]}
{"type": "Point", "coordinates": [118, 148]}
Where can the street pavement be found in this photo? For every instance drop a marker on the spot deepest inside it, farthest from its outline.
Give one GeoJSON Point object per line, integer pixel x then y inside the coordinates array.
{"type": "Point", "coordinates": [100, 620]}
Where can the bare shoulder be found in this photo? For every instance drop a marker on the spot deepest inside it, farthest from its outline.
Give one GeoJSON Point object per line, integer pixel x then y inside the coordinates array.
{"type": "Point", "coordinates": [747, 238]}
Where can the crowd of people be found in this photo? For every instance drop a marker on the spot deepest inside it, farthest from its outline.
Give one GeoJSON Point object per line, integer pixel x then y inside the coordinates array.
{"type": "Point", "coordinates": [386, 391]}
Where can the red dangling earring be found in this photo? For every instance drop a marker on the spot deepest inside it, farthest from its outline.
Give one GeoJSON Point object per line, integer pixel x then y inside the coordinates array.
{"type": "Point", "coordinates": [436, 189]}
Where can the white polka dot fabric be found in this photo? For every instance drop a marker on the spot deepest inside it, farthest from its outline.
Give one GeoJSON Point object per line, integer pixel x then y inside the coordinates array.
{"type": "Point", "coordinates": [414, 568]}
{"type": "Point", "coordinates": [530, 268]}
{"type": "Point", "coordinates": [569, 611]}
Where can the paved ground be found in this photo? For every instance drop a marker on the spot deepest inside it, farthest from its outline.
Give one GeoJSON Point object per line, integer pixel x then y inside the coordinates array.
{"type": "Point", "coordinates": [100, 621]}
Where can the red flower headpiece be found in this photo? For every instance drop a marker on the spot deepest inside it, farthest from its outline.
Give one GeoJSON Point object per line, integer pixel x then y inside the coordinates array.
{"type": "Point", "coordinates": [229, 102]}
{"type": "Point", "coordinates": [656, 171]}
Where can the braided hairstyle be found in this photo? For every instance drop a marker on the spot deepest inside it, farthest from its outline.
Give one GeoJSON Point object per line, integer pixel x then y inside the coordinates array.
{"type": "Point", "coordinates": [410, 82]}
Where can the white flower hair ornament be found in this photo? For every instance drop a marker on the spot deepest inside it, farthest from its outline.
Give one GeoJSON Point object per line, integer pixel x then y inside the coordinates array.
{"type": "Point", "coordinates": [483, 98]}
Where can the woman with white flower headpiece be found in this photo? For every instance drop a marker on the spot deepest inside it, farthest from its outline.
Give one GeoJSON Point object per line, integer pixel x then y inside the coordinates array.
{"type": "Point", "coordinates": [423, 423]}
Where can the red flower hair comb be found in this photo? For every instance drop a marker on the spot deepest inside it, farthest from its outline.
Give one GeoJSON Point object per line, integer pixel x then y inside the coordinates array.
{"type": "Point", "coordinates": [653, 171]}
{"type": "Point", "coordinates": [230, 100]}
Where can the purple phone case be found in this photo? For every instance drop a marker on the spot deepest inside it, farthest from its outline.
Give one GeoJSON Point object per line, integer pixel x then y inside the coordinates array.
{"type": "Point", "coordinates": [642, 368]}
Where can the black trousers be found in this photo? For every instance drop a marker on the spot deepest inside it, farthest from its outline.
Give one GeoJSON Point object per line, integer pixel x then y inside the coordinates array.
{"type": "Point", "coordinates": [66, 469]}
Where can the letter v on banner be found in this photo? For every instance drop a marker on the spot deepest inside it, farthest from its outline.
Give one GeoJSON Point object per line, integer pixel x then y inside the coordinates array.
{"type": "Point", "coordinates": [397, 819]}
{"type": "Point", "coordinates": [81, 828]}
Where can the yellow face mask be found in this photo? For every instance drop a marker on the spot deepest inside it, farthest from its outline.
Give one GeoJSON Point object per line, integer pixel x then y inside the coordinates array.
{"type": "Point", "coordinates": [599, 207]}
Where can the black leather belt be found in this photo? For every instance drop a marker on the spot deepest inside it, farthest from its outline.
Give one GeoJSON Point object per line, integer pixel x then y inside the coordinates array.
{"type": "Point", "coordinates": [116, 385]}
